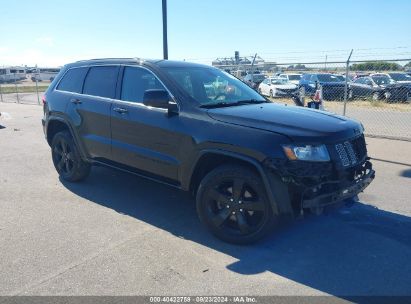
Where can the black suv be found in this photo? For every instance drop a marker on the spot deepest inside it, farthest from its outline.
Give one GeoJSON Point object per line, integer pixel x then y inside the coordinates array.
{"type": "Point", "coordinates": [249, 162]}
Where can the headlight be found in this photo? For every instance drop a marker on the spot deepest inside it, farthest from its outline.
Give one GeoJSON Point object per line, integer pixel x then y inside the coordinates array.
{"type": "Point", "coordinates": [307, 152]}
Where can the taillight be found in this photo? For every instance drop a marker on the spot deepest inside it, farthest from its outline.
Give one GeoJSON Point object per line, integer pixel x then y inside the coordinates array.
{"type": "Point", "coordinates": [43, 99]}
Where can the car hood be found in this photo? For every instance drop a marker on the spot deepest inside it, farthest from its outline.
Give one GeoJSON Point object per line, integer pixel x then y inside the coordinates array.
{"type": "Point", "coordinates": [299, 124]}
{"type": "Point", "coordinates": [289, 86]}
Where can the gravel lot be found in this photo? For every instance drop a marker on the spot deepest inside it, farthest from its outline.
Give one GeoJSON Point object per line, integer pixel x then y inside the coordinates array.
{"type": "Point", "coordinates": [116, 234]}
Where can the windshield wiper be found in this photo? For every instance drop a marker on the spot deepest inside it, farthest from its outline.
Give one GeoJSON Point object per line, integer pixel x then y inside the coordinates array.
{"type": "Point", "coordinates": [230, 104]}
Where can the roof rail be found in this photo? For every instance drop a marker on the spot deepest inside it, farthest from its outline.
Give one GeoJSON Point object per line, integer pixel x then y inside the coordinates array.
{"type": "Point", "coordinates": [97, 59]}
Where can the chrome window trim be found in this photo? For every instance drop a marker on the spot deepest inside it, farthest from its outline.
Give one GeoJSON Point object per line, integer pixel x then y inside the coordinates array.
{"type": "Point", "coordinates": [162, 83]}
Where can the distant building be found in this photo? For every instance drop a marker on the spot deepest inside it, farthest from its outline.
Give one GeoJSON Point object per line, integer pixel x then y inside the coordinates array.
{"type": "Point", "coordinates": [243, 63]}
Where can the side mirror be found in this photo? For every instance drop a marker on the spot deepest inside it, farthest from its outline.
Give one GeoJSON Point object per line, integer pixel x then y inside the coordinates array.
{"type": "Point", "coordinates": [158, 99]}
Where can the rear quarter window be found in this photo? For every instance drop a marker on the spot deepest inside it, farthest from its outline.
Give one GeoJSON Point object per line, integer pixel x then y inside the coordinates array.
{"type": "Point", "coordinates": [101, 81]}
{"type": "Point", "coordinates": [73, 80]}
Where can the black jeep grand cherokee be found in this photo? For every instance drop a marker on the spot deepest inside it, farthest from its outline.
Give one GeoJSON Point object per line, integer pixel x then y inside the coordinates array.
{"type": "Point", "coordinates": [249, 162]}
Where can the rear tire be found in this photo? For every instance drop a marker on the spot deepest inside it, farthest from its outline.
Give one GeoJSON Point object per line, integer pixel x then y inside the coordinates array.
{"type": "Point", "coordinates": [232, 203]}
{"type": "Point", "coordinates": [66, 158]}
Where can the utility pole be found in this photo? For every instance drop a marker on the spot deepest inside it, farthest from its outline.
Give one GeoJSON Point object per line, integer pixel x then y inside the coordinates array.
{"type": "Point", "coordinates": [347, 67]}
{"type": "Point", "coordinates": [165, 44]}
{"type": "Point", "coordinates": [252, 68]}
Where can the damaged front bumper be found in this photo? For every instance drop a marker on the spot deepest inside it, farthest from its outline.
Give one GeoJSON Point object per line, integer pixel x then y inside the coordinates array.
{"type": "Point", "coordinates": [322, 184]}
{"type": "Point", "coordinates": [343, 191]}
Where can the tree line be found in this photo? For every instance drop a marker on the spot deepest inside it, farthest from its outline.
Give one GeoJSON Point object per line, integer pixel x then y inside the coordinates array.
{"type": "Point", "coordinates": [379, 66]}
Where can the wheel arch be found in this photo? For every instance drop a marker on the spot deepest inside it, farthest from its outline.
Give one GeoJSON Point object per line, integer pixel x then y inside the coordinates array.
{"type": "Point", "coordinates": [58, 124]}
{"type": "Point", "coordinates": [211, 159]}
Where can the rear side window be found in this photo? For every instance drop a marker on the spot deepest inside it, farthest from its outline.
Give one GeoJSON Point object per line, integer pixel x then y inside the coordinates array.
{"type": "Point", "coordinates": [135, 82]}
{"type": "Point", "coordinates": [101, 81]}
{"type": "Point", "coordinates": [73, 80]}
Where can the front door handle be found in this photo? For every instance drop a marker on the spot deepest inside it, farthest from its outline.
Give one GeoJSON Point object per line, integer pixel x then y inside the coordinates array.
{"type": "Point", "coordinates": [75, 101]}
{"type": "Point", "coordinates": [120, 110]}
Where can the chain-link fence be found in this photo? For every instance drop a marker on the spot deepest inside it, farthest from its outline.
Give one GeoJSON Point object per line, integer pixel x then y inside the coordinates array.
{"type": "Point", "coordinates": [19, 85]}
{"type": "Point", "coordinates": [377, 93]}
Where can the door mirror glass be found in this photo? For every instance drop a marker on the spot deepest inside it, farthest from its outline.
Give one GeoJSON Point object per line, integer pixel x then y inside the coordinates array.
{"type": "Point", "coordinates": [156, 99]}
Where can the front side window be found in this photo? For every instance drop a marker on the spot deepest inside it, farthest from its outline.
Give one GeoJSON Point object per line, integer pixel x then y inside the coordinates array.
{"type": "Point", "coordinates": [210, 85]}
{"type": "Point", "coordinates": [135, 82]}
{"type": "Point", "coordinates": [314, 78]}
{"type": "Point", "coordinates": [101, 81]}
{"type": "Point", "coordinates": [73, 80]}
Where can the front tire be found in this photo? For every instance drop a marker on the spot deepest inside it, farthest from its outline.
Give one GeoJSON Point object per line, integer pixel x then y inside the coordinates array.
{"type": "Point", "coordinates": [232, 203]}
{"type": "Point", "coordinates": [376, 96]}
{"type": "Point", "coordinates": [66, 158]}
{"type": "Point", "coordinates": [350, 95]}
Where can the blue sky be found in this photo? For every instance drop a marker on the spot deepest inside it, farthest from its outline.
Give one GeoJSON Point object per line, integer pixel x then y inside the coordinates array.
{"type": "Point", "coordinates": [54, 32]}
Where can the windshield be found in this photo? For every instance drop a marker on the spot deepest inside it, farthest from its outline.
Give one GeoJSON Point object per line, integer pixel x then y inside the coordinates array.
{"type": "Point", "coordinates": [328, 78]}
{"type": "Point", "coordinates": [400, 77]}
{"type": "Point", "coordinates": [294, 77]}
{"type": "Point", "coordinates": [210, 85]}
{"type": "Point", "coordinates": [382, 80]}
{"type": "Point", "coordinates": [279, 81]}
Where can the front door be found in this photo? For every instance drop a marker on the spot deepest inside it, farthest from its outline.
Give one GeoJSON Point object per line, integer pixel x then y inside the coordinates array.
{"type": "Point", "coordinates": [144, 138]}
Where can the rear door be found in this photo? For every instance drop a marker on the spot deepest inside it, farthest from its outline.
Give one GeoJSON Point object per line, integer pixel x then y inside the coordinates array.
{"type": "Point", "coordinates": [144, 138]}
{"type": "Point", "coordinates": [91, 110]}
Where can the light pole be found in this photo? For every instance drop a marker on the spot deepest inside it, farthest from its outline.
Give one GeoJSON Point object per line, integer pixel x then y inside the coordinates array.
{"type": "Point", "coordinates": [165, 46]}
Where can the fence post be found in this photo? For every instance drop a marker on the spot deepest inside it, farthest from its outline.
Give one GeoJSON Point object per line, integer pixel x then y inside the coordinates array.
{"type": "Point", "coordinates": [346, 83]}
{"type": "Point", "coordinates": [1, 94]}
{"type": "Point", "coordinates": [17, 90]}
{"type": "Point", "coordinates": [37, 86]}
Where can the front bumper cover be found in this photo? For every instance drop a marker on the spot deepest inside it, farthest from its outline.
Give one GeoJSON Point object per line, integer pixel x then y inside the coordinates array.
{"type": "Point", "coordinates": [344, 191]}
{"type": "Point", "coordinates": [321, 184]}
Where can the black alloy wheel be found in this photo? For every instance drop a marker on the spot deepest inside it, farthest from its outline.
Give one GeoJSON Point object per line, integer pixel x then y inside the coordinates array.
{"type": "Point", "coordinates": [66, 158]}
{"type": "Point", "coordinates": [232, 203]}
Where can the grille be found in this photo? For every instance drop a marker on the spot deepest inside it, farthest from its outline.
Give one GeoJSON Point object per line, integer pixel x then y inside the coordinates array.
{"type": "Point", "coordinates": [351, 152]}
{"type": "Point", "coordinates": [286, 91]}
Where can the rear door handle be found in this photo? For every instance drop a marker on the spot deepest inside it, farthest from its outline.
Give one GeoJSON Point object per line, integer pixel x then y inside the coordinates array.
{"type": "Point", "coordinates": [75, 101]}
{"type": "Point", "coordinates": [120, 110]}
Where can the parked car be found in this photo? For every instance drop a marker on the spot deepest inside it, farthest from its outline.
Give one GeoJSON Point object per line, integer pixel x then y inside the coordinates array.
{"type": "Point", "coordinates": [333, 87]}
{"type": "Point", "coordinates": [277, 87]}
{"type": "Point", "coordinates": [379, 86]}
{"type": "Point", "coordinates": [254, 79]}
{"type": "Point", "coordinates": [400, 77]}
{"type": "Point", "coordinates": [293, 78]}
{"type": "Point", "coordinates": [250, 163]}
